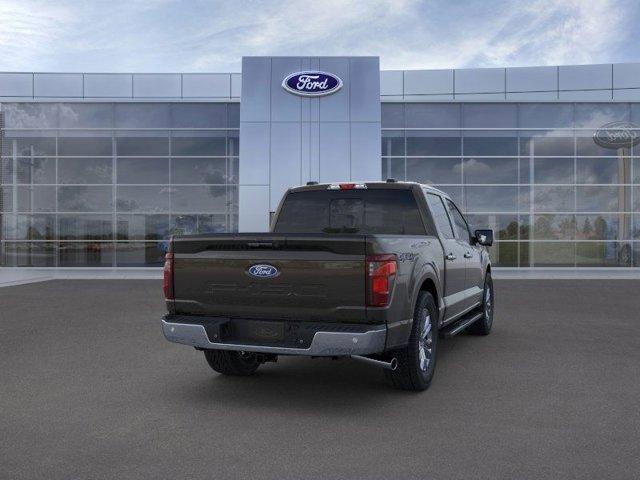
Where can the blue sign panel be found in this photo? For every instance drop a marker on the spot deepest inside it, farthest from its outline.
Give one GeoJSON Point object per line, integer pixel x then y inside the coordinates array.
{"type": "Point", "coordinates": [312, 83]}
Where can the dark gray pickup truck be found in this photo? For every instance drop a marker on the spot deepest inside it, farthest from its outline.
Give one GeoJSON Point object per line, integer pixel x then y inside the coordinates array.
{"type": "Point", "coordinates": [373, 271]}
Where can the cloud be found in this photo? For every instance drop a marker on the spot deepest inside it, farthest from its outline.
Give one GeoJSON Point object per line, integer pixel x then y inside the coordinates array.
{"type": "Point", "coordinates": [166, 35]}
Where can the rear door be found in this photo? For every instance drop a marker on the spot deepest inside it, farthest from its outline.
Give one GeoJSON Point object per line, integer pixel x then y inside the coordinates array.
{"type": "Point", "coordinates": [455, 262]}
{"type": "Point", "coordinates": [264, 276]}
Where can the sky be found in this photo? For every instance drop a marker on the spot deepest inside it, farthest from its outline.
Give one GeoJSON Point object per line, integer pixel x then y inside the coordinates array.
{"type": "Point", "coordinates": [212, 36]}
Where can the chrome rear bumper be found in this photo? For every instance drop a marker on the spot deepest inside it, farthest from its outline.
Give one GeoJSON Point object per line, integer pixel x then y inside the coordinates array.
{"type": "Point", "coordinates": [324, 344]}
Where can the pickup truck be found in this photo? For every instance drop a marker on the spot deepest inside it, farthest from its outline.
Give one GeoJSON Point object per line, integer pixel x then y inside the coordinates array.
{"type": "Point", "coordinates": [374, 271]}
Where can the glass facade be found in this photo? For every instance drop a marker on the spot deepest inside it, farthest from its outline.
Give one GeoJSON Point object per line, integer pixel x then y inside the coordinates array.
{"type": "Point", "coordinates": [531, 171]}
{"type": "Point", "coordinates": [105, 184]}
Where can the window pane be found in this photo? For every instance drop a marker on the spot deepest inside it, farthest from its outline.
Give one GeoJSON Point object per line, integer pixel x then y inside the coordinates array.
{"type": "Point", "coordinates": [81, 254]}
{"type": "Point", "coordinates": [490, 145]}
{"type": "Point", "coordinates": [36, 199]}
{"type": "Point", "coordinates": [39, 254]}
{"type": "Point", "coordinates": [490, 170]}
{"type": "Point", "coordinates": [142, 199]}
{"type": "Point", "coordinates": [392, 115]}
{"type": "Point", "coordinates": [213, 144]}
{"type": "Point", "coordinates": [546, 144]}
{"type": "Point", "coordinates": [36, 170]}
{"type": "Point", "coordinates": [433, 143]}
{"type": "Point", "coordinates": [233, 143]}
{"type": "Point", "coordinates": [85, 199]}
{"type": "Point", "coordinates": [603, 199]}
{"type": "Point", "coordinates": [603, 254]}
{"type": "Point", "coordinates": [459, 223]}
{"type": "Point", "coordinates": [545, 115]}
{"type": "Point", "coordinates": [490, 115]}
{"type": "Point", "coordinates": [85, 227]}
{"type": "Point", "coordinates": [598, 114]}
{"type": "Point", "coordinates": [491, 199]}
{"type": "Point", "coordinates": [142, 170]}
{"type": "Point", "coordinates": [93, 115]}
{"type": "Point", "coordinates": [30, 115]}
{"type": "Point", "coordinates": [554, 199]}
{"type": "Point", "coordinates": [586, 145]}
{"type": "Point", "coordinates": [636, 170]}
{"type": "Point", "coordinates": [140, 254]}
{"type": "Point", "coordinates": [504, 254]}
{"type": "Point", "coordinates": [29, 146]}
{"type": "Point", "coordinates": [233, 115]}
{"type": "Point", "coordinates": [393, 168]}
{"type": "Point", "coordinates": [454, 192]}
{"type": "Point", "coordinates": [142, 115]}
{"type": "Point", "coordinates": [35, 227]}
{"type": "Point", "coordinates": [199, 115]}
{"type": "Point", "coordinates": [440, 216]}
{"type": "Point", "coordinates": [553, 254]}
{"type": "Point", "coordinates": [199, 199]}
{"type": "Point", "coordinates": [90, 146]}
{"type": "Point", "coordinates": [143, 146]}
{"type": "Point", "coordinates": [553, 170]}
{"type": "Point", "coordinates": [85, 170]}
{"type": "Point", "coordinates": [505, 227]}
{"type": "Point", "coordinates": [554, 227]}
{"type": "Point", "coordinates": [199, 170]}
{"type": "Point", "coordinates": [6, 170]}
{"type": "Point", "coordinates": [392, 143]}
{"type": "Point", "coordinates": [432, 115]}
{"type": "Point", "coordinates": [434, 170]}
{"type": "Point", "coordinates": [142, 227]}
{"type": "Point", "coordinates": [603, 227]}
{"type": "Point", "coordinates": [6, 199]}
{"type": "Point", "coordinates": [190, 224]}
{"type": "Point", "coordinates": [603, 170]}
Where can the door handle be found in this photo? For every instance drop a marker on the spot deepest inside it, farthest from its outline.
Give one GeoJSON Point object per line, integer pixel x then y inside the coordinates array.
{"type": "Point", "coordinates": [451, 256]}
{"type": "Point", "coordinates": [468, 255]}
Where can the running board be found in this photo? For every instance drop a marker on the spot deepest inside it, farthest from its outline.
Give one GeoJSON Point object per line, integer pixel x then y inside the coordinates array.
{"type": "Point", "coordinates": [458, 326]}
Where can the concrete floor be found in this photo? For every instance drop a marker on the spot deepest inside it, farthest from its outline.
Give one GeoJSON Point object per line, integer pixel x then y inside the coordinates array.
{"type": "Point", "coordinates": [90, 389]}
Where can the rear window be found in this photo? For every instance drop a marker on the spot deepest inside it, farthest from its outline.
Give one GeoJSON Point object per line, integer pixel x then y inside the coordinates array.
{"type": "Point", "coordinates": [393, 212]}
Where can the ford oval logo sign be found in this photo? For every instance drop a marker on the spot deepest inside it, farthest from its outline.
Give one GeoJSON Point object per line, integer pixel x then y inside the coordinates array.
{"type": "Point", "coordinates": [312, 84]}
{"type": "Point", "coordinates": [617, 135]}
{"type": "Point", "coordinates": [263, 271]}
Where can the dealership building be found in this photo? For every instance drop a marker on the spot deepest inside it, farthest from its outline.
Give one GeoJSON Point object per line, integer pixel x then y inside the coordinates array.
{"type": "Point", "coordinates": [98, 170]}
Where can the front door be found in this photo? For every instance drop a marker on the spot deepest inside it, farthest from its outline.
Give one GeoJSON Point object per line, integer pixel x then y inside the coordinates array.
{"type": "Point", "coordinates": [473, 265]}
{"type": "Point", "coordinates": [455, 262]}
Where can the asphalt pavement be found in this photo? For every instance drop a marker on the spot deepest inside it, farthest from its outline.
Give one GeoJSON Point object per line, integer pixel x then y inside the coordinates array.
{"type": "Point", "coordinates": [89, 389]}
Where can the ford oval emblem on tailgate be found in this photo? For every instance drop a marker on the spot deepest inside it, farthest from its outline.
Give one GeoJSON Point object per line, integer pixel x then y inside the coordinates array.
{"type": "Point", "coordinates": [263, 271]}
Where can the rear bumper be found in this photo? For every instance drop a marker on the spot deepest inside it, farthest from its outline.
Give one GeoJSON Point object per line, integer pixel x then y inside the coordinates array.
{"type": "Point", "coordinates": [323, 343]}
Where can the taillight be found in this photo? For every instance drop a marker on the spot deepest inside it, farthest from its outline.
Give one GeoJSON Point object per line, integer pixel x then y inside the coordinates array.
{"type": "Point", "coordinates": [167, 278]}
{"type": "Point", "coordinates": [381, 272]}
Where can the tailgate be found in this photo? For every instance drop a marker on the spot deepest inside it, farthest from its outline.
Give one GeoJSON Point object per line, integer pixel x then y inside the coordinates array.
{"type": "Point", "coordinates": [271, 276]}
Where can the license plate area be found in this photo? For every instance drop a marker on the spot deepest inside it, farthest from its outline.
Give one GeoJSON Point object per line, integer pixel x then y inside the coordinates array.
{"type": "Point", "coordinates": [263, 331]}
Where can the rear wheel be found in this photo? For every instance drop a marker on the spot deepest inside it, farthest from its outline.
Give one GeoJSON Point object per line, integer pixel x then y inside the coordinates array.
{"type": "Point", "coordinates": [417, 361]}
{"type": "Point", "coordinates": [232, 363]}
{"type": "Point", "coordinates": [483, 326]}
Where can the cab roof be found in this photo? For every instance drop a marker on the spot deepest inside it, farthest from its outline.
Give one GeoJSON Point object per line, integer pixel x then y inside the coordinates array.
{"type": "Point", "coordinates": [396, 184]}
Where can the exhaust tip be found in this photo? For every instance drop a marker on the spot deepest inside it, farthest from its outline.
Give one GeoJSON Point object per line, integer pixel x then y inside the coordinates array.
{"type": "Point", "coordinates": [393, 365]}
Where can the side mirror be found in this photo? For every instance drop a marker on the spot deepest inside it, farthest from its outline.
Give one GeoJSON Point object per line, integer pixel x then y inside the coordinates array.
{"type": "Point", "coordinates": [484, 237]}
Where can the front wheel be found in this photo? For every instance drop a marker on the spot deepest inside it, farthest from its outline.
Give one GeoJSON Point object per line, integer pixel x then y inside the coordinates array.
{"type": "Point", "coordinates": [417, 361]}
{"type": "Point", "coordinates": [483, 325]}
{"type": "Point", "coordinates": [232, 363]}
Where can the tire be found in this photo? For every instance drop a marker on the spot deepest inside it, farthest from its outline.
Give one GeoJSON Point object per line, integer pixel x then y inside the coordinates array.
{"type": "Point", "coordinates": [241, 364]}
{"type": "Point", "coordinates": [415, 371]}
{"type": "Point", "coordinates": [483, 326]}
